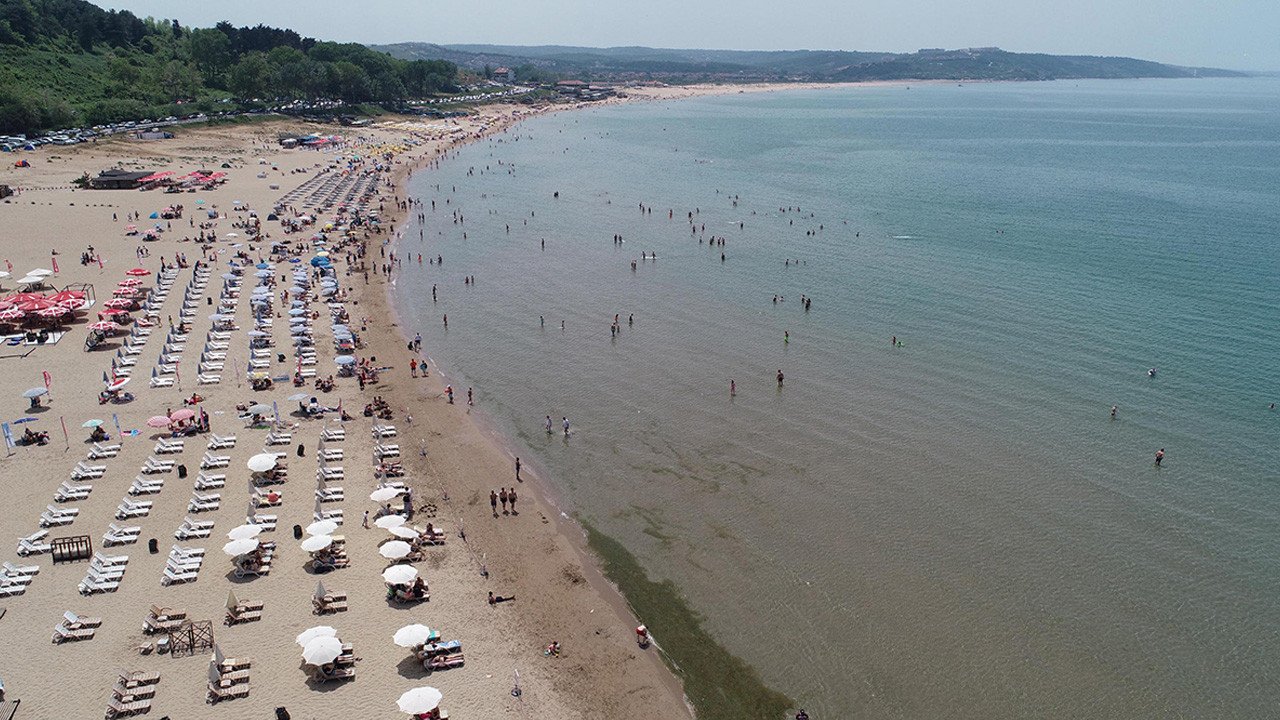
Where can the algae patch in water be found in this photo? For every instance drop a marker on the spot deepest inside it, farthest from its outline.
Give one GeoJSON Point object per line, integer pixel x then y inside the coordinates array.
{"type": "Point", "coordinates": [719, 684]}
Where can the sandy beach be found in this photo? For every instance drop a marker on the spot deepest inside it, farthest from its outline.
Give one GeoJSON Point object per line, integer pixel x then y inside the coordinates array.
{"type": "Point", "coordinates": [450, 464]}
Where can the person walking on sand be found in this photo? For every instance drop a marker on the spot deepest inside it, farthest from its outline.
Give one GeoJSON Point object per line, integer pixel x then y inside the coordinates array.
{"type": "Point", "coordinates": [365, 522]}
{"type": "Point", "coordinates": [448, 390]}
{"type": "Point", "coordinates": [511, 498]}
{"type": "Point", "coordinates": [413, 367]}
{"type": "Point", "coordinates": [470, 397]}
{"type": "Point", "coordinates": [502, 497]}
{"type": "Point", "coordinates": [1159, 456]}
{"type": "Point", "coordinates": [493, 502]}
{"type": "Point", "coordinates": [518, 470]}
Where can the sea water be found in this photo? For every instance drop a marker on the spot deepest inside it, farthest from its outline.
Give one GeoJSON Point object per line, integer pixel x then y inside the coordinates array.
{"type": "Point", "coordinates": [951, 527]}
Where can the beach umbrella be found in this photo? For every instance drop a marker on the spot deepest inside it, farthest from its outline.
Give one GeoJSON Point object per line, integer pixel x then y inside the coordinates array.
{"type": "Point", "coordinates": [345, 360]}
{"type": "Point", "coordinates": [259, 409]}
{"type": "Point", "coordinates": [34, 305]}
{"type": "Point", "coordinates": [310, 634]}
{"type": "Point", "coordinates": [40, 272]}
{"type": "Point", "coordinates": [101, 325]}
{"type": "Point", "coordinates": [118, 303]}
{"type": "Point", "coordinates": [382, 495]}
{"type": "Point", "coordinates": [91, 423]}
{"type": "Point", "coordinates": [410, 636]}
{"type": "Point", "coordinates": [263, 265]}
{"type": "Point", "coordinates": [320, 262]}
{"type": "Point", "coordinates": [31, 280]}
{"type": "Point", "coordinates": [158, 421]}
{"type": "Point", "coordinates": [420, 701]}
{"type": "Point", "coordinates": [36, 392]}
{"type": "Point", "coordinates": [317, 542]}
{"type": "Point", "coordinates": [399, 574]}
{"type": "Point", "coordinates": [118, 383]}
{"type": "Point", "coordinates": [262, 462]}
{"type": "Point", "coordinates": [230, 276]}
{"type": "Point", "coordinates": [183, 414]}
{"type": "Point", "coordinates": [395, 550]}
{"type": "Point", "coordinates": [19, 421]}
{"type": "Point", "coordinates": [321, 527]}
{"type": "Point", "coordinates": [322, 650]}
{"type": "Point", "coordinates": [295, 312]}
{"type": "Point", "coordinates": [137, 272]}
{"type": "Point", "coordinates": [263, 274]}
{"type": "Point", "coordinates": [296, 397]}
{"type": "Point", "coordinates": [404, 531]}
{"type": "Point", "coordinates": [244, 532]}
{"type": "Point", "coordinates": [112, 312]}
{"type": "Point", "coordinates": [53, 312]}
{"type": "Point", "coordinates": [236, 548]}
{"type": "Point", "coordinates": [386, 522]}
{"type": "Point", "coordinates": [12, 313]}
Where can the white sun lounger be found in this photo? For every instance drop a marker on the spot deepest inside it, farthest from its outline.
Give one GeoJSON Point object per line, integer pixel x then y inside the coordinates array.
{"type": "Point", "coordinates": [67, 492]}
{"type": "Point", "coordinates": [386, 451]}
{"type": "Point", "coordinates": [210, 461]}
{"type": "Point", "coordinates": [160, 382]}
{"type": "Point", "coordinates": [121, 535]}
{"type": "Point", "coordinates": [89, 586]}
{"type": "Point", "coordinates": [384, 431]}
{"type": "Point", "coordinates": [132, 509]}
{"type": "Point", "coordinates": [155, 465]}
{"type": "Point", "coordinates": [221, 442]}
{"type": "Point", "coordinates": [326, 495]}
{"type": "Point", "coordinates": [83, 471]}
{"type": "Point", "coordinates": [334, 434]}
{"type": "Point", "coordinates": [332, 454]}
{"type": "Point", "coordinates": [210, 482]}
{"type": "Point", "coordinates": [208, 379]}
{"type": "Point", "coordinates": [145, 487]}
{"type": "Point", "coordinates": [168, 447]}
{"type": "Point", "coordinates": [100, 451]}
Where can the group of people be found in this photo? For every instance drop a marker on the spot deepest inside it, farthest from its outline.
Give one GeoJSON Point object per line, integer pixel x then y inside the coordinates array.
{"type": "Point", "coordinates": [505, 496]}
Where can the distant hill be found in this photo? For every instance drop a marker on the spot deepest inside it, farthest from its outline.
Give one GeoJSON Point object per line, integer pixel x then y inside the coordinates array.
{"type": "Point", "coordinates": [683, 65]}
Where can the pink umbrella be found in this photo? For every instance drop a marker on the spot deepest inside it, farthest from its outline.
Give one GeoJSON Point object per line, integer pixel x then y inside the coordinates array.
{"type": "Point", "coordinates": [118, 303]}
{"type": "Point", "coordinates": [110, 312]}
{"type": "Point", "coordinates": [129, 282]}
{"type": "Point", "coordinates": [105, 326]}
{"type": "Point", "coordinates": [183, 414]}
{"type": "Point", "coordinates": [35, 304]}
{"type": "Point", "coordinates": [158, 421]}
{"type": "Point", "coordinates": [12, 314]}
{"type": "Point", "coordinates": [53, 312]}
{"type": "Point", "coordinates": [137, 272]}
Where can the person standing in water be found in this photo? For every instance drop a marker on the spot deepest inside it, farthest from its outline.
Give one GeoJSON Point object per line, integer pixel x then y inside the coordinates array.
{"type": "Point", "coordinates": [733, 387]}
{"type": "Point", "coordinates": [1159, 456]}
{"type": "Point", "coordinates": [779, 377]}
{"type": "Point", "coordinates": [1114, 409]}
{"type": "Point", "coordinates": [548, 425]}
{"type": "Point", "coordinates": [565, 422]}
{"type": "Point", "coordinates": [518, 471]}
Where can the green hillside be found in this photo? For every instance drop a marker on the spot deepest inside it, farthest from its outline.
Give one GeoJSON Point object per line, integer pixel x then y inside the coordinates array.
{"type": "Point", "coordinates": [69, 62]}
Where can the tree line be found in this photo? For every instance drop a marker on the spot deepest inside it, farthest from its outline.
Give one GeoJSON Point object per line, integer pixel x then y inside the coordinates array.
{"type": "Point", "coordinates": [67, 62]}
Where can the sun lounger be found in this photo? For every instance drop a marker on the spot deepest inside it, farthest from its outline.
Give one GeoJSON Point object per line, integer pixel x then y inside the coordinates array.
{"type": "Point", "coordinates": [12, 589]}
{"type": "Point", "coordinates": [20, 570]}
{"type": "Point", "coordinates": [213, 356]}
{"type": "Point", "coordinates": [62, 633]}
{"type": "Point", "coordinates": [125, 361]}
{"type": "Point", "coordinates": [279, 438]}
{"type": "Point", "coordinates": [210, 461]}
{"type": "Point", "coordinates": [161, 382]}
{"type": "Point", "coordinates": [443, 662]}
{"type": "Point", "coordinates": [221, 442]}
{"type": "Point", "coordinates": [208, 379]}
{"type": "Point", "coordinates": [83, 471]}
{"type": "Point", "coordinates": [384, 431]}
{"type": "Point", "coordinates": [100, 451]}
{"type": "Point", "coordinates": [338, 673]}
{"type": "Point", "coordinates": [210, 482]}
{"type": "Point", "coordinates": [28, 546]}
{"type": "Point", "coordinates": [73, 621]}
{"type": "Point", "coordinates": [89, 586]}
{"type": "Point", "coordinates": [334, 515]}
{"type": "Point", "coordinates": [166, 447]}
{"type": "Point", "coordinates": [172, 577]}
{"type": "Point", "coordinates": [267, 521]}
{"type": "Point", "coordinates": [192, 530]}
{"type": "Point", "coordinates": [132, 509]}
{"type": "Point", "coordinates": [48, 519]}
{"type": "Point", "coordinates": [123, 692]}
{"type": "Point", "coordinates": [184, 563]}
{"type": "Point", "coordinates": [329, 474]}
{"type": "Point", "coordinates": [326, 495]}
{"type": "Point", "coordinates": [67, 492]}
{"type": "Point", "coordinates": [102, 559]}
{"type": "Point", "coordinates": [334, 434]}
{"type": "Point", "coordinates": [121, 535]}
{"type": "Point", "coordinates": [204, 503]}
{"type": "Point", "coordinates": [238, 615]}
{"type": "Point", "coordinates": [139, 678]}
{"type": "Point", "coordinates": [130, 350]}
{"type": "Point", "coordinates": [386, 451]}
{"type": "Point", "coordinates": [155, 465]}
{"type": "Point", "coordinates": [323, 607]}
{"type": "Point", "coordinates": [118, 708]}
{"type": "Point", "coordinates": [145, 487]}
{"type": "Point", "coordinates": [218, 693]}
{"type": "Point", "coordinates": [332, 454]}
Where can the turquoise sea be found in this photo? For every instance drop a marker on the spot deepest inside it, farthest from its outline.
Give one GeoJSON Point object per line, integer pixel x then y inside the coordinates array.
{"type": "Point", "coordinates": [950, 528]}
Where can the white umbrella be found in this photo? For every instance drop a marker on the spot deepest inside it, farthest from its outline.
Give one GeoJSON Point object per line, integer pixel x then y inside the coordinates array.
{"type": "Point", "coordinates": [322, 527]}
{"type": "Point", "coordinates": [382, 495]}
{"type": "Point", "coordinates": [35, 392]}
{"type": "Point", "coordinates": [236, 548]}
{"type": "Point", "coordinates": [402, 531]}
{"type": "Point", "coordinates": [259, 409]}
{"type": "Point", "coordinates": [298, 396]}
{"type": "Point", "coordinates": [395, 550]}
{"type": "Point", "coordinates": [412, 635]}
{"type": "Point", "coordinates": [316, 632]}
{"type": "Point", "coordinates": [317, 542]}
{"type": "Point", "coordinates": [244, 532]}
{"type": "Point", "coordinates": [420, 700]}
{"type": "Point", "coordinates": [31, 280]}
{"type": "Point", "coordinates": [40, 272]}
{"type": "Point", "coordinates": [262, 462]}
{"type": "Point", "coordinates": [386, 522]}
{"type": "Point", "coordinates": [322, 651]}
{"type": "Point", "coordinates": [399, 574]}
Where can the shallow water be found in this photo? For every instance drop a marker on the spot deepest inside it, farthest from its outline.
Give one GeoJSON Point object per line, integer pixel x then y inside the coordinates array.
{"type": "Point", "coordinates": [953, 527]}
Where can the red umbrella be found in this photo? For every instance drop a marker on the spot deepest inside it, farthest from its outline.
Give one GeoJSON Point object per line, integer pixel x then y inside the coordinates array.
{"type": "Point", "coordinates": [137, 272]}
{"type": "Point", "coordinates": [36, 305]}
{"type": "Point", "coordinates": [24, 297]}
{"type": "Point", "coordinates": [53, 312]}
{"type": "Point", "coordinates": [11, 314]}
{"type": "Point", "coordinates": [158, 421]}
{"type": "Point", "coordinates": [110, 312]}
{"type": "Point", "coordinates": [65, 295]}
{"type": "Point", "coordinates": [129, 282]}
{"type": "Point", "coordinates": [118, 303]}
{"type": "Point", "coordinates": [105, 326]}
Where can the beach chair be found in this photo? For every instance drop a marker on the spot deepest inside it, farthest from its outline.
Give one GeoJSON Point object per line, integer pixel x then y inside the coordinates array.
{"type": "Point", "coordinates": [327, 495]}
{"type": "Point", "coordinates": [221, 442]}
{"type": "Point", "coordinates": [211, 367]}
{"type": "Point", "coordinates": [91, 585]}
{"type": "Point", "coordinates": [84, 471]}
{"type": "Point", "coordinates": [15, 571]}
{"type": "Point", "coordinates": [141, 486]}
{"type": "Point", "coordinates": [213, 355]}
{"type": "Point", "coordinates": [239, 615]}
{"type": "Point", "coordinates": [62, 633]}
{"type": "Point", "coordinates": [210, 461]}
{"type": "Point", "coordinates": [130, 349]}
{"type": "Point", "coordinates": [334, 434]}
{"type": "Point", "coordinates": [384, 431]}
{"type": "Point", "coordinates": [139, 678]}
{"type": "Point", "coordinates": [261, 499]}
{"type": "Point", "coordinates": [321, 514]}
{"type": "Point", "coordinates": [210, 482]}
{"type": "Point", "coordinates": [208, 378]}
{"type": "Point", "coordinates": [338, 673]}
{"type": "Point", "coordinates": [11, 589]}
{"type": "Point", "coordinates": [121, 535]}
{"type": "Point", "coordinates": [184, 563]}
{"type": "Point", "coordinates": [67, 492]}
{"type": "Point", "coordinates": [177, 576]}
{"type": "Point", "coordinates": [100, 451]}
{"type": "Point", "coordinates": [118, 708]}
{"type": "Point", "coordinates": [193, 529]}
{"type": "Point", "coordinates": [133, 509]}
{"type": "Point", "coordinates": [177, 551]}
{"type": "Point", "coordinates": [155, 465]}
{"type": "Point", "coordinates": [34, 544]}
{"type": "Point", "coordinates": [48, 519]}
{"type": "Point", "coordinates": [125, 361]}
{"type": "Point", "coordinates": [160, 382]}
{"type": "Point", "coordinates": [266, 520]}
{"type": "Point", "coordinates": [330, 474]}
{"type": "Point", "coordinates": [443, 662]}
{"type": "Point", "coordinates": [160, 620]}
{"type": "Point", "coordinates": [218, 693]}
{"type": "Point", "coordinates": [204, 503]}
{"type": "Point", "coordinates": [169, 447]}
{"type": "Point", "coordinates": [215, 346]}
{"type": "Point", "coordinates": [73, 621]}
{"type": "Point", "coordinates": [332, 454]}
{"type": "Point", "coordinates": [101, 559]}
{"type": "Point", "coordinates": [386, 451]}
{"type": "Point", "coordinates": [120, 691]}
{"type": "Point", "coordinates": [225, 664]}
{"type": "Point", "coordinates": [279, 438]}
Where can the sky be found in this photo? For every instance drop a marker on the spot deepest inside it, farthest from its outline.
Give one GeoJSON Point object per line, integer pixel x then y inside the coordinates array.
{"type": "Point", "coordinates": [1238, 34]}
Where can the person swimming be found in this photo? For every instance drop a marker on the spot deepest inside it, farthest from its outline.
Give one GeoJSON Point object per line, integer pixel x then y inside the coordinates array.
{"type": "Point", "coordinates": [1151, 372]}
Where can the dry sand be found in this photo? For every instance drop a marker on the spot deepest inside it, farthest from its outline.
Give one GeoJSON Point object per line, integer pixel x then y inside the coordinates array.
{"type": "Point", "coordinates": [534, 556]}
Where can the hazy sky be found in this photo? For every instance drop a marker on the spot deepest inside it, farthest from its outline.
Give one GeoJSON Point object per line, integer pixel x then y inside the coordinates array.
{"type": "Point", "coordinates": [1224, 33]}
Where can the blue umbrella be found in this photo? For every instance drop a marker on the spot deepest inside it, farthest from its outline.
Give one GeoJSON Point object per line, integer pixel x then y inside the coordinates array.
{"type": "Point", "coordinates": [295, 260]}
{"type": "Point", "coordinates": [19, 421]}
{"type": "Point", "coordinates": [298, 330]}
{"type": "Point", "coordinates": [320, 262]}
{"type": "Point", "coordinates": [263, 274]}
{"type": "Point", "coordinates": [263, 265]}
{"type": "Point", "coordinates": [297, 311]}
{"type": "Point", "coordinates": [345, 360]}
{"type": "Point", "coordinates": [230, 276]}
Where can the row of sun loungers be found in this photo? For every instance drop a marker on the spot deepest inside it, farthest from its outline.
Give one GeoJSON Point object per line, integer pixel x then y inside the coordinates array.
{"type": "Point", "coordinates": [105, 573]}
